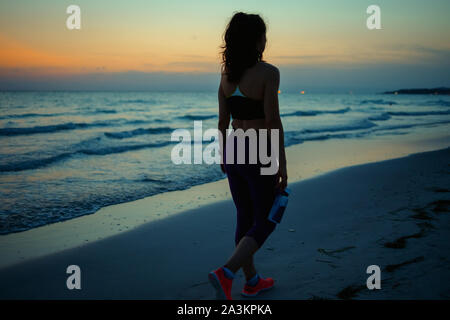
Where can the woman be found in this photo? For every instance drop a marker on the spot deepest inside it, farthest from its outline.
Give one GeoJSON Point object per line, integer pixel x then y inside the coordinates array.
{"type": "Point", "coordinates": [248, 92]}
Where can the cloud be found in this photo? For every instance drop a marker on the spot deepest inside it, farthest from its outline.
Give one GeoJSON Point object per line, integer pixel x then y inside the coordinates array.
{"type": "Point", "coordinates": [397, 53]}
{"type": "Point", "coordinates": [300, 57]}
{"type": "Point", "coordinates": [130, 80]}
{"type": "Point", "coordinates": [199, 66]}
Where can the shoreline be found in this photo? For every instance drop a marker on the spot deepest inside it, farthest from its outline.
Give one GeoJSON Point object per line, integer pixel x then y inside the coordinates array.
{"type": "Point", "coordinates": [393, 214]}
{"type": "Point", "coordinates": [307, 160]}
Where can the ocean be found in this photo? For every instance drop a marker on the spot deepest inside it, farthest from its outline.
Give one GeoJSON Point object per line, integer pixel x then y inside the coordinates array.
{"type": "Point", "coordinates": [67, 154]}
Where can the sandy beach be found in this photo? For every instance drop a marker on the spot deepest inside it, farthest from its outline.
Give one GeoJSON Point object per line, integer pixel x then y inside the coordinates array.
{"type": "Point", "coordinates": [391, 213]}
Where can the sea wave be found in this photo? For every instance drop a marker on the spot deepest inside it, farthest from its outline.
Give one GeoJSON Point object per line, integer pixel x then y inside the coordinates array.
{"type": "Point", "coordinates": [138, 101]}
{"type": "Point", "coordinates": [378, 101]}
{"type": "Point", "coordinates": [55, 114]}
{"type": "Point", "coordinates": [380, 117]}
{"type": "Point", "coordinates": [440, 102]}
{"type": "Point", "coordinates": [297, 137]}
{"type": "Point", "coordinates": [104, 111]}
{"type": "Point", "coordinates": [197, 117]}
{"type": "Point", "coordinates": [42, 162]}
{"type": "Point", "coordinates": [29, 115]}
{"type": "Point", "coordinates": [154, 178]}
{"type": "Point", "coordinates": [324, 133]}
{"type": "Point", "coordinates": [411, 125]}
{"type": "Point", "coordinates": [418, 113]}
{"type": "Point", "coordinates": [292, 138]}
{"type": "Point", "coordinates": [15, 131]}
{"type": "Point", "coordinates": [357, 125]}
{"type": "Point", "coordinates": [315, 112]}
{"type": "Point", "coordinates": [137, 132]}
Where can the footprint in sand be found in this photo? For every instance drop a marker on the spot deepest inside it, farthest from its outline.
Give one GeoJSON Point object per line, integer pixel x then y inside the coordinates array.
{"type": "Point", "coordinates": [332, 253]}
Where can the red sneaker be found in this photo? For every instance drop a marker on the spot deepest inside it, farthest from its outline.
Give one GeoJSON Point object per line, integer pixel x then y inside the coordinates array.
{"type": "Point", "coordinates": [263, 284]}
{"type": "Point", "coordinates": [221, 283]}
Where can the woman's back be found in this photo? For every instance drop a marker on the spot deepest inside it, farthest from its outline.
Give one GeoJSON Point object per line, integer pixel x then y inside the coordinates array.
{"type": "Point", "coordinates": [252, 85]}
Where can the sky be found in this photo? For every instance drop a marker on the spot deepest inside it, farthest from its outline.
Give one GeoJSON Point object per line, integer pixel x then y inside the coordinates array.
{"type": "Point", "coordinates": [174, 45]}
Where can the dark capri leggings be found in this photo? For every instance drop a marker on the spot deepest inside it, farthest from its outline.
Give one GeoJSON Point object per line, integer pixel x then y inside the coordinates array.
{"type": "Point", "coordinates": [253, 194]}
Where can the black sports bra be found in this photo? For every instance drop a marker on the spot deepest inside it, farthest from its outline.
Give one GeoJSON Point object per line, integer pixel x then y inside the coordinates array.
{"type": "Point", "coordinates": [244, 108]}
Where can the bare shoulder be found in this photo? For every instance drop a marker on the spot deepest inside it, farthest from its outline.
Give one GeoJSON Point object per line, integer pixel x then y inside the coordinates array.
{"type": "Point", "coordinates": [270, 71]}
{"type": "Point", "coordinates": [223, 78]}
{"type": "Point", "coordinates": [224, 84]}
{"type": "Point", "coordinates": [269, 68]}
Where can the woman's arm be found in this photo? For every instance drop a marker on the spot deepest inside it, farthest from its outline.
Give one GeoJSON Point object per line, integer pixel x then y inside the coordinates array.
{"type": "Point", "coordinates": [273, 120]}
{"type": "Point", "coordinates": [224, 122]}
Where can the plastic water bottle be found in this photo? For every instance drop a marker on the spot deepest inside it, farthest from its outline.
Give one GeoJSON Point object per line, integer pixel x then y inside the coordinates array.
{"type": "Point", "coordinates": [279, 205]}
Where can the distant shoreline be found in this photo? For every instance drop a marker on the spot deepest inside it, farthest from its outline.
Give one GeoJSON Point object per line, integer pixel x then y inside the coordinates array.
{"type": "Point", "coordinates": [437, 91]}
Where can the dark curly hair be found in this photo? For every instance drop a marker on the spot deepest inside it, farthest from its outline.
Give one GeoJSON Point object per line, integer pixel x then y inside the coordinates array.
{"type": "Point", "coordinates": [240, 51]}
